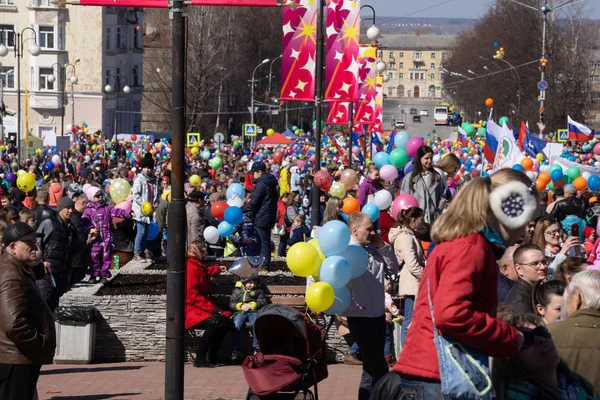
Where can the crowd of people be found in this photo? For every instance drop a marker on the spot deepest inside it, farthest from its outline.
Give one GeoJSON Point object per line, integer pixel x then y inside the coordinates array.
{"type": "Point", "coordinates": [474, 269]}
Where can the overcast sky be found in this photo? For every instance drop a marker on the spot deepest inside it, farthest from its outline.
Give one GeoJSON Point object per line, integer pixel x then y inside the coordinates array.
{"type": "Point", "coordinates": [452, 8]}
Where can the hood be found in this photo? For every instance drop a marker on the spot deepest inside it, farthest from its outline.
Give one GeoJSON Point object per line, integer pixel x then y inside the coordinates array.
{"type": "Point", "coordinates": [395, 232]}
{"type": "Point", "coordinates": [268, 180]}
{"type": "Point", "coordinates": [95, 206]}
{"type": "Point", "coordinates": [151, 179]}
{"type": "Point", "coordinates": [55, 188]}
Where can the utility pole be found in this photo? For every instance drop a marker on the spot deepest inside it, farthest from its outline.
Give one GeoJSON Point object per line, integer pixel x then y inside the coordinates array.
{"type": "Point", "coordinates": [350, 126]}
{"type": "Point", "coordinates": [320, 63]}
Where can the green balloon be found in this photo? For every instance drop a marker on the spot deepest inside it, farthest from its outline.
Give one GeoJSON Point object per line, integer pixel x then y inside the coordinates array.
{"type": "Point", "coordinates": [469, 129]}
{"type": "Point", "coordinates": [573, 173]}
{"type": "Point", "coordinates": [216, 163]}
{"type": "Point", "coordinates": [554, 167]}
{"type": "Point", "coordinates": [551, 186]}
{"type": "Point", "coordinates": [205, 154]}
{"type": "Point", "coordinates": [481, 132]}
{"type": "Point", "coordinates": [399, 158]}
{"type": "Point", "coordinates": [504, 120]}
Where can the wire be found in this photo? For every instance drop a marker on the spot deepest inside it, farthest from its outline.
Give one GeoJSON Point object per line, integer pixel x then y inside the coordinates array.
{"type": "Point", "coordinates": [418, 12]}
{"type": "Point", "coordinates": [212, 113]}
{"type": "Point", "coordinates": [492, 73]}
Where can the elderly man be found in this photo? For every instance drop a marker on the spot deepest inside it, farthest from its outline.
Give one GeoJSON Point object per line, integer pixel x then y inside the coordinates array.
{"type": "Point", "coordinates": [507, 274]}
{"type": "Point", "coordinates": [531, 266]}
{"type": "Point", "coordinates": [27, 337]}
{"type": "Point", "coordinates": [577, 338]}
{"type": "Point", "coordinates": [570, 205]}
{"type": "Point", "coordinates": [366, 316]}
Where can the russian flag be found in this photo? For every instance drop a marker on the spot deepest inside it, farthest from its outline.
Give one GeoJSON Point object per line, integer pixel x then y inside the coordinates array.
{"type": "Point", "coordinates": [462, 137]}
{"type": "Point", "coordinates": [492, 132]}
{"type": "Point", "coordinates": [522, 135]}
{"type": "Point", "coordinates": [579, 132]}
{"type": "Point", "coordinates": [391, 145]}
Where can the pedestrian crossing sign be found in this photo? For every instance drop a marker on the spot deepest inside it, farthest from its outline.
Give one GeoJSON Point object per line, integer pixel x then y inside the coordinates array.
{"type": "Point", "coordinates": [562, 135]}
{"type": "Point", "coordinates": [193, 139]}
{"type": "Point", "coordinates": [250, 129]}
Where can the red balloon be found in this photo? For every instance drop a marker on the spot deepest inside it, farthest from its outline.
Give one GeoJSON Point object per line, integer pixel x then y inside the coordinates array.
{"type": "Point", "coordinates": [323, 180]}
{"type": "Point", "coordinates": [218, 209]}
{"type": "Point", "coordinates": [130, 174]}
{"type": "Point", "coordinates": [277, 157]}
{"type": "Point", "coordinates": [134, 137]}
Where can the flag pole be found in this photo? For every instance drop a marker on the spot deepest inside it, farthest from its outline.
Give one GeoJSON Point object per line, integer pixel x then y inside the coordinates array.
{"type": "Point", "coordinates": [320, 63]}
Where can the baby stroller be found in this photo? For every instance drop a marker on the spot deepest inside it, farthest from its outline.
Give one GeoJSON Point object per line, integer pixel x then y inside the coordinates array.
{"type": "Point", "coordinates": [291, 358]}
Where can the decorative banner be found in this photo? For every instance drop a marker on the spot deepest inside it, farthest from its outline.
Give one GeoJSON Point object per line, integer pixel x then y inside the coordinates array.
{"type": "Point", "coordinates": [299, 50]}
{"type": "Point", "coordinates": [377, 125]}
{"type": "Point", "coordinates": [338, 113]}
{"type": "Point", "coordinates": [342, 50]}
{"type": "Point", "coordinates": [165, 3]}
{"type": "Point", "coordinates": [364, 110]}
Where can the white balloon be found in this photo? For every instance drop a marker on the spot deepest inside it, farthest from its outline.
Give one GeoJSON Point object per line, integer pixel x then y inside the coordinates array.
{"type": "Point", "coordinates": [236, 202]}
{"type": "Point", "coordinates": [531, 175]}
{"type": "Point", "coordinates": [436, 158]}
{"type": "Point", "coordinates": [383, 200]}
{"type": "Point", "coordinates": [544, 168]}
{"type": "Point", "coordinates": [586, 175]}
{"type": "Point", "coordinates": [56, 159]}
{"type": "Point", "coordinates": [211, 234]}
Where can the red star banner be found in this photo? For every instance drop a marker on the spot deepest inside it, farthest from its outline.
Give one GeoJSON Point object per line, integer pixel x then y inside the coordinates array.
{"type": "Point", "coordinates": [377, 125]}
{"type": "Point", "coordinates": [338, 113]}
{"type": "Point", "coordinates": [165, 3]}
{"type": "Point", "coordinates": [342, 50]}
{"type": "Point", "coordinates": [299, 50]}
{"type": "Point", "coordinates": [364, 109]}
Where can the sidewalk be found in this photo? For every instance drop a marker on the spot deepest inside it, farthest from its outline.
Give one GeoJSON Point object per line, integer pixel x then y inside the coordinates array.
{"type": "Point", "coordinates": [145, 381]}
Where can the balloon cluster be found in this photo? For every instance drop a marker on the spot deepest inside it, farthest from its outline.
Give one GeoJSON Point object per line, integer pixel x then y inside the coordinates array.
{"type": "Point", "coordinates": [229, 214]}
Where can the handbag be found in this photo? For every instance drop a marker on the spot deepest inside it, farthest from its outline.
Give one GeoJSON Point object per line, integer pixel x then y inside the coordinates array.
{"type": "Point", "coordinates": [278, 230]}
{"type": "Point", "coordinates": [464, 372]}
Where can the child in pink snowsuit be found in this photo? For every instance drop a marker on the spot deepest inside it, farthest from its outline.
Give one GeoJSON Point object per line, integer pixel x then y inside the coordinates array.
{"type": "Point", "coordinates": [98, 216]}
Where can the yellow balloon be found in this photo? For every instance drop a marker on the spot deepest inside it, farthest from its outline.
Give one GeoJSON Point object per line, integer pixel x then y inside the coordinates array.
{"type": "Point", "coordinates": [319, 296]}
{"type": "Point", "coordinates": [195, 180]}
{"type": "Point", "coordinates": [194, 151]}
{"type": "Point", "coordinates": [315, 243]}
{"type": "Point", "coordinates": [303, 259]}
{"type": "Point", "coordinates": [147, 209]}
{"type": "Point", "coordinates": [26, 182]}
{"type": "Point", "coordinates": [539, 157]}
{"type": "Point", "coordinates": [119, 190]}
{"type": "Point", "coordinates": [21, 172]}
{"type": "Point", "coordinates": [166, 195]}
{"type": "Point", "coordinates": [270, 132]}
{"type": "Point", "coordinates": [337, 190]}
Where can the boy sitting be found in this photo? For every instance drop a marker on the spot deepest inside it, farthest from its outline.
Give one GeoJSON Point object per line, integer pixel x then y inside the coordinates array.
{"type": "Point", "coordinates": [246, 299]}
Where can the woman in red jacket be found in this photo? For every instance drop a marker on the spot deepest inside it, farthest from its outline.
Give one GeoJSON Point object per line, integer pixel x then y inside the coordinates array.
{"type": "Point", "coordinates": [200, 313]}
{"type": "Point", "coordinates": [487, 215]}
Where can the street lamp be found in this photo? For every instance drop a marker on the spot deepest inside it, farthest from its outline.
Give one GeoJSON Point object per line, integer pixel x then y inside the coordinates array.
{"type": "Point", "coordinates": [269, 95]}
{"type": "Point", "coordinates": [263, 62]}
{"type": "Point", "coordinates": [109, 89]}
{"type": "Point", "coordinates": [62, 70]}
{"type": "Point", "coordinates": [35, 51]}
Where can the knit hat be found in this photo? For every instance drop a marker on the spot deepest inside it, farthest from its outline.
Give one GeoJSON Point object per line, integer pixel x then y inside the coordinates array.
{"type": "Point", "coordinates": [147, 161]}
{"type": "Point", "coordinates": [91, 191]}
{"type": "Point", "coordinates": [65, 202]}
{"type": "Point", "coordinates": [587, 231]}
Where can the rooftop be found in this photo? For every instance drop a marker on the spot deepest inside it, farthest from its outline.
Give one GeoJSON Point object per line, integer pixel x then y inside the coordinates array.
{"type": "Point", "coordinates": [417, 42]}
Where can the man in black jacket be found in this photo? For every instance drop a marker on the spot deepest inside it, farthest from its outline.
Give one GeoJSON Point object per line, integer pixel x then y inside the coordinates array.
{"type": "Point", "coordinates": [571, 205]}
{"type": "Point", "coordinates": [532, 266]}
{"type": "Point", "coordinates": [42, 211]}
{"type": "Point", "coordinates": [81, 247]}
{"type": "Point", "coordinates": [263, 208]}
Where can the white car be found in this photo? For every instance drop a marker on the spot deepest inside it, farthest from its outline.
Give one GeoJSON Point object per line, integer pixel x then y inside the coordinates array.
{"type": "Point", "coordinates": [424, 113]}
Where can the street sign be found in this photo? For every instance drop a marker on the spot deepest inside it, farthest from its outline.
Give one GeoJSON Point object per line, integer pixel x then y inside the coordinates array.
{"type": "Point", "coordinates": [193, 139]}
{"type": "Point", "coordinates": [259, 130]}
{"type": "Point", "coordinates": [563, 135]}
{"type": "Point", "coordinates": [542, 95]}
{"type": "Point", "coordinates": [250, 109]}
{"type": "Point", "coordinates": [249, 129]}
{"type": "Point", "coordinates": [541, 126]}
{"type": "Point", "coordinates": [219, 138]}
{"type": "Point", "coordinates": [542, 85]}
{"type": "Point", "coordinates": [63, 143]}
{"type": "Point", "coordinates": [402, 111]}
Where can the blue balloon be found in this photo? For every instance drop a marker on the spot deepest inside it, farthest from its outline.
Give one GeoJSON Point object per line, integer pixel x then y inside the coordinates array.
{"type": "Point", "coordinates": [518, 167]}
{"type": "Point", "coordinates": [341, 301]}
{"type": "Point", "coordinates": [234, 215]}
{"type": "Point", "coordinates": [236, 190]}
{"type": "Point", "coordinates": [336, 271]}
{"type": "Point", "coordinates": [358, 259]}
{"type": "Point", "coordinates": [225, 229]}
{"type": "Point", "coordinates": [49, 165]}
{"type": "Point", "coordinates": [594, 183]}
{"type": "Point", "coordinates": [556, 175]}
{"type": "Point", "coordinates": [372, 211]}
{"type": "Point", "coordinates": [401, 139]}
{"type": "Point", "coordinates": [152, 231]}
{"type": "Point", "coordinates": [334, 237]}
{"type": "Point", "coordinates": [381, 158]}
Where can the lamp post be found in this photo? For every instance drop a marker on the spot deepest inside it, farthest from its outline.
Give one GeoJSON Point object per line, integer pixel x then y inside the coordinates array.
{"type": "Point", "coordinates": [62, 71]}
{"type": "Point", "coordinates": [269, 96]}
{"type": "Point", "coordinates": [263, 62]}
{"type": "Point", "coordinates": [108, 89]}
{"type": "Point", "coordinates": [34, 50]}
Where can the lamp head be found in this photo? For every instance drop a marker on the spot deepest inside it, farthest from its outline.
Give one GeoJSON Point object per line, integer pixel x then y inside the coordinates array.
{"type": "Point", "coordinates": [108, 88]}
{"type": "Point", "coordinates": [373, 33]}
{"type": "Point", "coordinates": [35, 50]}
{"type": "Point", "coordinates": [380, 66]}
{"type": "Point", "coordinates": [74, 80]}
{"type": "Point", "coordinates": [51, 78]}
{"type": "Point", "coordinates": [126, 89]}
{"type": "Point", "coordinates": [266, 60]}
{"type": "Point", "coordinates": [3, 50]}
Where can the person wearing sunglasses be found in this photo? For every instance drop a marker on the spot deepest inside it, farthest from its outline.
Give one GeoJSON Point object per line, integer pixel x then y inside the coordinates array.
{"type": "Point", "coordinates": [548, 237]}
{"type": "Point", "coordinates": [531, 266]}
{"type": "Point", "coordinates": [536, 371]}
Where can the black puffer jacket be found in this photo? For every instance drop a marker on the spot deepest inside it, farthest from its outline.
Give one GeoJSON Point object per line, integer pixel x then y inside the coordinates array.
{"type": "Point", "coordinates": [42, 213]}
{"type": "Point", "coordinates": [570, 206]}
{"type": "Point", "coordinates": [263, 202]}
{"type": "Point", "coordinates": [81, 247]}
{"type": "Point", "coordinates": [57, 244]}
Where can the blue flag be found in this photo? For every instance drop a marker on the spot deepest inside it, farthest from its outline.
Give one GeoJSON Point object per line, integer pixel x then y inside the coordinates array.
{"type": "Point", "coordinates": [533, 145]}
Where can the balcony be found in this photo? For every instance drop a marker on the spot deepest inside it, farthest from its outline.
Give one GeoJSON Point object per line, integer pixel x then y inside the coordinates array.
{"type": "Point", "coordinates": [47, 100]}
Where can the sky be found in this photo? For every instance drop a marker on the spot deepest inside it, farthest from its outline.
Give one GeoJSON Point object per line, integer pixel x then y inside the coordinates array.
{"type": "Point", "coordinates": [451, 8]}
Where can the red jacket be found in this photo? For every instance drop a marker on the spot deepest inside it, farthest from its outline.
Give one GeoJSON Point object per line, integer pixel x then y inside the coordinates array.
{"type": "Point", "coordinates": [281, 211]}
{"type": "Point", "coordinates": [466, 271]}
{"type": "Point", "coordinates": [386, 222]}
{"type": "Point", "coordinates": [197, 304]}
{"type": "Point", "coordinates": [249, 182]}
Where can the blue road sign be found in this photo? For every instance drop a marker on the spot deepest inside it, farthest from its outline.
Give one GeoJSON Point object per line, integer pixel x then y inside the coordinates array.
{"type": "Point", "coordinates": [249, 129]}
{"type": "Point", "coordinates": [542, 85]}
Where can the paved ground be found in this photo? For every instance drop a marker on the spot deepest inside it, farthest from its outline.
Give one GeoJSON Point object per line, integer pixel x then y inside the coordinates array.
{"type": "Point", "coordinates": [393, 107]}
{"type": "Point", "coordinates": [145, 381]}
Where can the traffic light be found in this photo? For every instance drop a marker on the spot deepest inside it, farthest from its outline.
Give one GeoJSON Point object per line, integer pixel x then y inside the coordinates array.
{"type": "Point", "coordinates": [542, 114]}
{"type": "Point", "coordinates": [543, 62]}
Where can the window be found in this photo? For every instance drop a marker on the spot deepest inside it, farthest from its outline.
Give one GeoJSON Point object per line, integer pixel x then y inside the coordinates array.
{"type": "Point", "coordinates": [433, 56]}
{"type": "Point", "coordinates": [7, 2]}
{"type": "Point", "coordinates": [121, 38]}
{"type": "Point", "coordinates": [432, 65]}
{"type": "Point", "coordinates": [135, 77]}
{"type": "Point", "coordinates": [401, 65]}
{"type": "Point", "coordinates": [400, 76]}
{"type": "Point", "coordinates": [401, 54]}
{"type": "Point", "coordinates": [391, 54]}
{"type": "Point", "coordinates": [392, 65]}
{"type": "Point", "coordinates": [118, 78]}
{"type": "Point", "coordinates": [61, 38]}
{"type": "Point", "coordinates": [422, 76]}
{"type": "Point", "coordinates": [136, 38]}
{"type": "Point", "coordinates": [109, 39]}
{"type": "Point", "coordinates": [45, 131]}
{"type": "Point", "coordinates": [46, 37]}
{"type": "Point", "coordinates": [411, 76]}
{"type": "Point", "coordinates": [390, 75]}
{"type": "Point", "coordinates": [443, 57]}
{"type": "Point", "coordinates": [390, 91]}
{"type": "Point", "coordinates": [8, 36]}
{"type": "Point", "coordinates": [418, 56]}
{"type": "Point", "coordinates": [7, 77]}
{"type": "Point", "coordinates": [431, 76]}
{"type": "Point", "coordinates": [107, 77]}
{"type": "Point", "coordinates": [595, 79]}
{"type": "Point", "coordinates": [43, 3]}
{"type": "Point", "coordinates": [45, 74]}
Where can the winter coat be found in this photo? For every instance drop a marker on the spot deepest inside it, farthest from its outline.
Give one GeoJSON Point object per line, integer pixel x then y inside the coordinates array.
{"type": "Point", "coordinates": [144, 189]}
{"type": "Point", "coordinates": [57, 244]}
{"type": "Point", "coordinates": [281, 212]}
{"type": "Point", "coordinates": [27, 333]}
{"type": "Point", "coordinates": [263, 202]}
{"type": "Point", "coordinates": [411, 259]}
{"type": "Point", "coordinates": [520, 297]}
{"type": "Point", "coordinates": [42, 213]}
{"type": "Point", "coordinates": [577, 340]}
{"type": "Point", "coordinates": [198, 306]}
{"type": "Point", "coordinates": [99, 216]}
{"type": "Point", "coordinates": [81, 247]}
{"type": "Point", "coordinates": [56, 192]}
{"type": "Point", "coordinates": [195, 227]}
{"type": "Point", "coordinates": [244, 237]}
{"type": "Point", "coordinates": [386, 222]}
{"type": "Point", "coordinates": [161, 214]}
{"type": "Point", "coordinates": [431, 196]}
{"type": "Point", "coordinates": [463, 282]}
{"type": "Point", "coordinates": [367, 187]}
{"type": "Point", "coordinates": [284, 181]}
{"type": "Point", "coordinates": [572, 205]}
{"type": "Point", "coordinates": [504, 286]}
{"type": "Point", "coordinates": [299, 234]}
{"type": "Point", "coordinates": [240, 295]}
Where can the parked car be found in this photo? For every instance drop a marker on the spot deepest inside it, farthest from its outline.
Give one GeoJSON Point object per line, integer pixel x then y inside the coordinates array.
{"type": "Point", "coordinates": [413, 111]}
{"type": "Point", "coordinates": [417, 118]}
{"type": "Point", "coordinates": [424, 113]}
{"type": "Point", "coordinates": [400, 125]}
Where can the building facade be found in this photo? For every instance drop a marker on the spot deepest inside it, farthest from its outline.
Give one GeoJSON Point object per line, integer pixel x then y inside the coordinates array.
{"type": "Point", "coordinates": [97, 45]}
{"type": "Point", "coordinates": [413, 64]}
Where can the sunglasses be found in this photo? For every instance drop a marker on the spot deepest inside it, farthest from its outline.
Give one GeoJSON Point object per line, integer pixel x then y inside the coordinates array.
{"type": "Point", "coordinates": [530, 334]}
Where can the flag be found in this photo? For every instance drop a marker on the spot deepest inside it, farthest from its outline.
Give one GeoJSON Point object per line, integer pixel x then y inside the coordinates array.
{"type": "Point", "coordinates": [508, 153]}
{"type": "Point", "coordinates": [522, 135]}
{"type": "Point", "coordinates": [532, 144]}
{"type": "Point", "coordinates": [377, 125]}
{"type": "Point", "coordinates": [391, 143]}
{"type": "Point", "coordinates": [355, 142]}
{"type": "Point", "coordinates": [579, 132]}
{"type": "Point", "coordinates": [461, 137]}
{"type": "Point", "coordinates": [342, 50]}
{"type": "Point", "coordinates": [299, 47]}
{"type": "Point", "coordinates": [364, 108]}
{"type": "Point", "coordinates": [492, 134]}
{"type": "Point", "coordinates": [340, 148]}
{"type": "Point", "coordinates": [165, 3]}
{"type": "Point", "coordinates": [338, 113]}
{"type": "Point", "coordinates": [375, 141]}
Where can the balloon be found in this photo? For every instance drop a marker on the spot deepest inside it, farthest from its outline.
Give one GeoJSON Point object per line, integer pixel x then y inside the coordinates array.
{"type": "Point", "coordinates": [277, 157]}
{"type": "Point", "coordinates": [336, 271]}
{"type": "Point", "coordinates": [334, 237]}
{"type": "Point", "coordinates": [403, 202]}
{"type": "Point", "coordinates": [573, 173]}
{"type": "Point", "coordinates": [597, 149]}
{"type": "Point", "coordinates": [341, 301]}
{"type": "Point", "coordinates": [580, 183]}
{"type": "Point", "coordinates": [152, 230]}
{"type": "Point", "coordinates": [56, 159]}
{"type": "Point", "coordinates": [544, 177]}
{"type": "Point", "coordinates": [358, 259]}
{"type": "Point", "coordinates": [355, 150]}
{"type": "Point", "coordinates": [315, 243]}
{"type": "Point", "coordinates": [323, 180]}
{"type": "Point", "coordinates": [49, 165]}
{"type": "Point", "coordinates": [270, 132]}
{"type": "Point", "coordinates": [556, 175]}
{"type": "Point", "coordinates": [119, 190]}
{"type": "Point", "coordinates": [10, 177]}
{"type": "Point", "coordinates": [381, 158]}
{"type": "Point", "coordinates": [371, 210]}
{"type": "Point", "coordinates": [133, 137]}
{"type": "Point", "coordinates": [195, 180]}
{"type": "Point", "coordinates": [468, 128]}
{"type": "Point", "coordinates": [540, 185]}
{"type": "Point", "coordinates": [205, 154]}
{"type": "Point", "coordinates": [26, 182]}
{"type": "Point", "coordinates": [337, 190]}
{"type": "Point", "coordinates": [555, 167]}
{"type": "Point", "coordinates": [388, 173]}
{"type": "Point", "coordinates": [235, 190]}
{"type": "Point", "coordinates": [233, 215]}
{"type": "Point", "coordinates": [166, 195]}
{"type": "Point", "coordinates": [504, 121]}
{"type": "Point", "coordinates": [349, 178]}
{"type": "Point", "coordinates": [382, 199]}
{"type": "Point", "coordinates": [211, 234]}
{"type": "Point", "coordinates": [225, 229]}
{"type": "Point", "coordinates": [194, 151]}
{"type": "Point", "coordinates": [398, 158]}
{"type": "Point", "coordinates": [319, 296]}
{"type": "Point", "coordinates": [216, 163]}
{"type": "Point", "coordinates": [413, 145]}
{"type": "Point", "coordinates": [489, 102]}
{"type": "Point", "coordinates": [303, 259]}
{"type": "Point", "coordinates": [21, 172]}
{"type": "Point", "coordinates": [218, 209]}
{"type": "Point", "coordinates": [147, 209]}
{"type": "Point", "coordinates": [235, 202]}
{"type": "Point", "coordinates": [594, 183]}
{"type": "Point", "coordinates": [527, 163]}
{"type": "Point", "coordinates": [401, 139]}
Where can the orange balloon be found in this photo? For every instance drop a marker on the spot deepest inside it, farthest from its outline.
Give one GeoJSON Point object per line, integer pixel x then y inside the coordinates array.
{"type": "Point", "coordinates": [527, 163]}
{"type": "Point", "coordinates": [351, 206]}
{"type": "Point", "coordinates": [540, 185]}
{"type": "Point", "coordinates": [544, 177]}
{"type": "Point", "coordinates": [489, 102]}
{"type": "Point", "coordinates": [580, 183]}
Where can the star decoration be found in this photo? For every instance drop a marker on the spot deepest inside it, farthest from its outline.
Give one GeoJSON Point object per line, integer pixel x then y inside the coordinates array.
{"type": "Point", "coordinates": [345, 87]}
{"type": "Point", "coordinates": [331, 31]}
{"type": "Point", "coordinates": [301, 85]}
{"type": "Point", "coordinates": [353, 67]}
{"type": "Point", "coordinates": [307, 30]}
{"type": "Point", "coordinates": [338, 56]}
{"type": "Point", "coordinates": [295, 54]}
{"type": "Point", "coordinates": [350, 32]}
{"type": "Point", "coordinates": [310, 65]}
{"type": "Point", "coordinates": [287, 28]}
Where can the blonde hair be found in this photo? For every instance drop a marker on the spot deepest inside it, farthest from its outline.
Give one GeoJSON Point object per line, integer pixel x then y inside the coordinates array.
{"type": "Point", "coordinates": [448, 163]}
{"type": "Point", "coordinates": [469, 211]}
{"type": "Point", "coordinates": [331, 209]}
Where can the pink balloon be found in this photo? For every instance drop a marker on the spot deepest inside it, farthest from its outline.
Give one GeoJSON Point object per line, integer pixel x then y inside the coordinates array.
{"type": "Point", "coordinates": [355, 150]}
{"type": "Point", "coordinates": [413, 145]}
{"type": "Point", "coordinates": [597, 149]}
{"type": "Point", "coordinates": [403, 202]}
{"type": "Point", "coordinates": [388, 173]}
{"type": "Point", "coordinates": [300, 164]}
